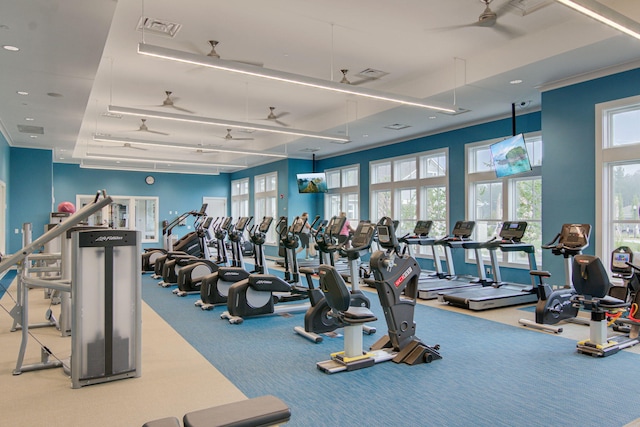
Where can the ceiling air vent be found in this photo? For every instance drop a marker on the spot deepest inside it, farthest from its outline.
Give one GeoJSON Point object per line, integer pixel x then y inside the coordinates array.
{"type": "Point", "coordinates": [31, 129]}
{"type": "Point", "coordinates": [371, 74]}
{"type": "Point", "coordinates": [310, 150]}
{"type": "Point", "coordinates": [158, 26]}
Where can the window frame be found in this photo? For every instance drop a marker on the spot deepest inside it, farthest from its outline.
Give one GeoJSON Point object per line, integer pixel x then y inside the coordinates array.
{"type": "Point", "coordinates": [270, 198]}
{"type": "Point", "coordinates": [418, 180]}
{"type": "Point", "coordinates": [342, 194]}
{"type": "Point", "coordinates": [607, 157]}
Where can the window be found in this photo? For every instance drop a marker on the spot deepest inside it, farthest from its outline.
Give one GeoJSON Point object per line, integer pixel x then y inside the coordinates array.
{"type": "Point", "coordinates": [127, 212]}
{"type": "Point", "coordinates": [344, 193]}
{"type": "Point", "coordinates": [240, 198]}
{"type": "Point", "coordinates": [266, 201]}
{"type": "Point", "coordinates": [617, 176]}
{"type": "Point", "coordinates": [411, 188]}
{"type": "Point", "coordinates": [491, 200]}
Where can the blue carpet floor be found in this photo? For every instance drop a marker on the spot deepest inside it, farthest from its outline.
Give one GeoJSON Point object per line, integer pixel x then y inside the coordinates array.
{"type": "Point", "coordinates": [491, 374]}
{"type": "Point", "coordinates": [5, 282]}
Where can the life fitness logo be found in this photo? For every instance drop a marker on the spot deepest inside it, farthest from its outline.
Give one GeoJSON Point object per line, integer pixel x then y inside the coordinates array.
{"type": "Point", "coordinates": [108, 238]}
{"type": "Point", "coordinates": [404, 275]}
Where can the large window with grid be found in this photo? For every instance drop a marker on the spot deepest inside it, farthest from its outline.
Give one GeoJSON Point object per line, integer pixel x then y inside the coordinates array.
{"type": "Point", "coordinates": [412, 188]}
{"type": "Point", "coordinates": [239, 198]}
{"type": "Point", "coordinates": [266, 201]}
{"type": "Point", "coordinates": [492, 200]}
{"type": "Point", "coordinates": [344, 193]}
{"type": "Point", "coordinates": [617, 176]}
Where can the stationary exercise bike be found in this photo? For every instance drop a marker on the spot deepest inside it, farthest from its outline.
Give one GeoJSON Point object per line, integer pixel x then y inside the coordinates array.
{"type": "Point", "coordinates": [396, 279]}
{"type": "Point", "coordinates": [555, 306]}
{"type": "Point", "coordinates": [319, 319]}
{"type": "Point", "coordinates": [591, 282]}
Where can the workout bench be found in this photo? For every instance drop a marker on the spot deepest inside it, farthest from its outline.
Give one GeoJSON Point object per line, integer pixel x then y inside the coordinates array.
{"type": "Point", "coordinates": [259, 411]}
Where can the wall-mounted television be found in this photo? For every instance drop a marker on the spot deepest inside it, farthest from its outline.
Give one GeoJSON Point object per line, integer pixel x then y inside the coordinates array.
{"type": "Point", "coordinates": [510, 156]}
{"type": "Point", "coordinates": [312, 182]}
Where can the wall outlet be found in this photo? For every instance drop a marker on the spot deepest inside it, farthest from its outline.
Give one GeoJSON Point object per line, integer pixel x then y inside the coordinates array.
{"type": "Point", "coordinates": [488, 270]}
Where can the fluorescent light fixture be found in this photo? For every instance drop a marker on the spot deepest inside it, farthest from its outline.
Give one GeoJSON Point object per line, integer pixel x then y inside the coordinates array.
{"type": "Point", "coordinates": [606, 15]}
{"type": "Point", "coordinates": [221, 122]}
{"type": "Point", "coordinates": [282, 76]}
{"type": "Point", "coordinates": [85, 165]}
{"type": "Point", "coordinates": [169, 162]}
{"type": "Point", "coordinates": [104, 138]}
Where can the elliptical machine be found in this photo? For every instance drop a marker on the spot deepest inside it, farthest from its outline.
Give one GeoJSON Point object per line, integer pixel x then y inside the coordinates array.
{"type": "Point", "coordinates": [214, 289]}
{"type": "Point", "coordinates": [319, 319]}
{"type": "Point", "coordinates": [258, 294]}
{"type": "Point", "coordinates": [556, 306]}
{"type": "Point", "coordinates": [396, 279]}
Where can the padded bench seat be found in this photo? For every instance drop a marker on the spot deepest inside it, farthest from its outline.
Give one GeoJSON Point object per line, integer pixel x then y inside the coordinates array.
{"type": "Point", "coordinates": [260, 411]}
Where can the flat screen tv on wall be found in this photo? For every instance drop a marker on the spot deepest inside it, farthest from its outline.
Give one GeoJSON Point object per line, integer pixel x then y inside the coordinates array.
{"type": "Point", "coordinates": [312, 182]}
{"type": "Point", "coordinates": [510, 156]}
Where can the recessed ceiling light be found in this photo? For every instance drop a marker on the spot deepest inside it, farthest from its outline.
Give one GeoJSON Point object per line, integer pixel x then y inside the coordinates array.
{"type": "Point", "coordinates": [365, 135]}
{"type": "Point", "coordinates": [29, 119]}
{"type": "Point", "coordinates": [432, 117]}
{"type": "Point", "coordinates": [33, 136]}
{"type": "Point", "coordinates": [10, 48]}
{"type": "Point", "coordinates": [22, 92]}
{"type": "Point", "coordinates": [515, 82]}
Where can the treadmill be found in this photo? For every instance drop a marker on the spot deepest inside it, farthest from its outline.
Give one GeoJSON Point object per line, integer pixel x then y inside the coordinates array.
{"type": "Point", "coordinates": [449, 281]}
{"type": "Point", "coordinates": [420, 237]}
{"type": "Point", "coordinates": [499, 293]}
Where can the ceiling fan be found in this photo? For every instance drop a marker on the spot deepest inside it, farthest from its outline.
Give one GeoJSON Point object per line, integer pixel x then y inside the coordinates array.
{"type": "Point", "coordinates": [489, 19]}
{"type": "Point", "coordinates": [170, 102]}
{"type": "Point", "coordinates": [143, 128]}
{"type": "Point", "coordinates": [128, 145]}
{"type": "Point", "coordinates": [346, 80]}
{"type": "Point", "coordinates": [212, 53]}
{"type": "Point", "coordinates": [272, 116]}
{"type": "Point", "coordinates": [229, 137]}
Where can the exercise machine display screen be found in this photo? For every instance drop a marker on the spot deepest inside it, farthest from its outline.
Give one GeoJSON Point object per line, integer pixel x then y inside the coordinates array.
{"type": "Point", "coordinates": [265, 224]}
{"type": "Point", "coordinates": [513, 230]}
{"type": "Point", "coordinates": [619, 259]}
{"type": "Point", "coordinates": [463, 229]}
{"type": "Point", "coordinates": [575, 235]}
{"type": "Point", "coordinates": [422, 228]}
{"type": "Point", "coordinates": [335, 225]}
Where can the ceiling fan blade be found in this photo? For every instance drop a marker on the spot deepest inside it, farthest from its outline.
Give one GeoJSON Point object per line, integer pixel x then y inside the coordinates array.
{"type": "Point", "coordinates": [284, 113]}
{"type": "Point", "coordinates": [508, 31]}
{"type": "Point", "coordinates": [241, 139]}
{"type": "Point", "coordinates": [155, 131]}
{"type": "Point", "coordinates": [281, 123]}
{"type": "Point", "coordinates": [182, 109]}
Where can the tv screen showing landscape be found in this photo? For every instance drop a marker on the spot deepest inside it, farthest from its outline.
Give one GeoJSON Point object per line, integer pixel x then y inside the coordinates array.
{"type": "Point", "coordinates": [510, 156]}
{"type": "Point", "coordinates": [312, 182]}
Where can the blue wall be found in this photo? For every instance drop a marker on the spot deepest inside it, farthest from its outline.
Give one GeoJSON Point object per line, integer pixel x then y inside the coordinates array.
{"type": "Point", "coordinates": [30, 198]}
{"type": "Point", "coordinates": [176, 192]}
{"type": "Point", "coordinates": [5, 155]}
{"type": "Point", "coordinates": [568, 169]}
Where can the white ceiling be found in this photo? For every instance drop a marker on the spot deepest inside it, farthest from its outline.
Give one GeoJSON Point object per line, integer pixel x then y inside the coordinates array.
{"type": "Point", "coordinates": [86, 52]}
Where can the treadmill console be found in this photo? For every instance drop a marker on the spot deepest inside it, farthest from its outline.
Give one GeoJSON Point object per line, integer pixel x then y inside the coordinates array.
{"type": "Point", "coordinates": [463, 229]}
{"type": "Point", "coordinates": [422, 228]}
{"type": "Point", "coordinates": [513, 231]}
